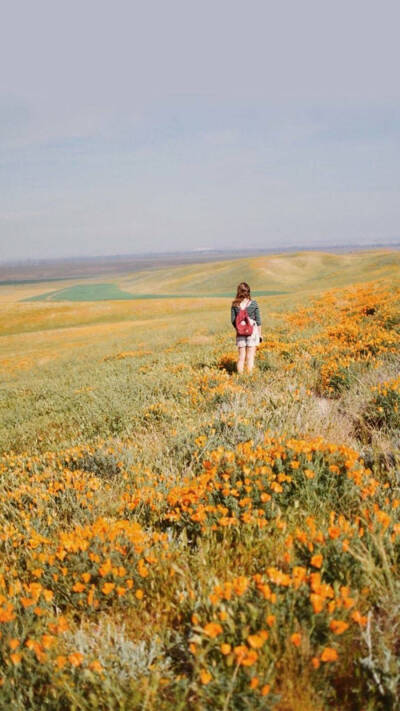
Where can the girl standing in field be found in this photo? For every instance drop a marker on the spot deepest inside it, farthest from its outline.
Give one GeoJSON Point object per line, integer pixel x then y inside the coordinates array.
{"type": "Point", "coordinates": [246, 344]}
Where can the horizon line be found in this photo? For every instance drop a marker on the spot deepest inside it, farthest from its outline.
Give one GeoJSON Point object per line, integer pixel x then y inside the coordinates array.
{"type": "Point", "coordinates": [198, 252]}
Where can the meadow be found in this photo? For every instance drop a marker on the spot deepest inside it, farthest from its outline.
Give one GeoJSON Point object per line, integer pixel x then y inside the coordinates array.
{"type": "Point", "coordinates": [176, 536]}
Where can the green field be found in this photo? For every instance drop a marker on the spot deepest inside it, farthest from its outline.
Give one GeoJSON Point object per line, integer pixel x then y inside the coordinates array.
{"type": "Point", "coordinates": [85, 292]}
{"type": "Point", "coordinates": [111, 292]}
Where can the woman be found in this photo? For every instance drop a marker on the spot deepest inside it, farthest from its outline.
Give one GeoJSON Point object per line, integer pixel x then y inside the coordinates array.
{"type": "Point", "coordinates": [246, 344]}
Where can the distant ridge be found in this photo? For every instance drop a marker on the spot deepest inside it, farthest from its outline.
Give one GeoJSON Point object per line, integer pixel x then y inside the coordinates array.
{"type": "Point", "coordinates": [59, 269]}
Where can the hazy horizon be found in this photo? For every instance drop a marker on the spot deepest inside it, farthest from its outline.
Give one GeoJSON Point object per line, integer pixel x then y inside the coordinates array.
{"type": "Point", "coordinates": [130, 128]}
{"type": "Point", "coordinates": [367, 246]}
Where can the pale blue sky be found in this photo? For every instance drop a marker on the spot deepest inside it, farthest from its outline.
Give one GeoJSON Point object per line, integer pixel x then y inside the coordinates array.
{"type": "Point", "coordinates": [129, 126]}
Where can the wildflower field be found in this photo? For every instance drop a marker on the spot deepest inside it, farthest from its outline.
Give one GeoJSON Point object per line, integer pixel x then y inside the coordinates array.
{"type": "Point", "coordinates": [175, 536]}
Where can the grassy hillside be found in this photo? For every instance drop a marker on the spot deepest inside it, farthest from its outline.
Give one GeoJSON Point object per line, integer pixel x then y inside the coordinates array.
{"type": "Point", "coordinates": [276, 273]}
{"type": "Point", "coordinates": [174, 536]}
{"type": "Point", "coordinates": [279, 272]}
{"type": "Point", "coordinates": [93, 304]}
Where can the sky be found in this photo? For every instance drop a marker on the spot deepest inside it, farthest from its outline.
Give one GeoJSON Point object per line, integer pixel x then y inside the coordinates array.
{"type": "Point", "coordinates": [131, 126]}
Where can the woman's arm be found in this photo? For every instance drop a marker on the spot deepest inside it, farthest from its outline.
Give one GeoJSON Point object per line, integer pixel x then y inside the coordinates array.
{"type": "Point", "coordinates": [233, 315]}
{"type": "Point", "coordinates": [257, 318]}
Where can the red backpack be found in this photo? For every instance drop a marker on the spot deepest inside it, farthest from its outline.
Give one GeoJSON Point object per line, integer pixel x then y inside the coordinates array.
{"type": "Point", "coordinates": [242, 323]}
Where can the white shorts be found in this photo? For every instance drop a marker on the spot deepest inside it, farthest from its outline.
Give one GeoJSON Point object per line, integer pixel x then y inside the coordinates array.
{"type": "Point", "coordinates": [246, 341]}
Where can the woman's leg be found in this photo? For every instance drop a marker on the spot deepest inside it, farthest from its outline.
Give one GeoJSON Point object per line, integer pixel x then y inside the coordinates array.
{"type": "Point", "coordinates": [250, 354]}
{"type": "Point", "coordinates": [241, 359]}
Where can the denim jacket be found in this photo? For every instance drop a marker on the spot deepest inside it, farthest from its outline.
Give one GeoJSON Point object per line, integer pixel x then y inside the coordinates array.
{"type": "Point", "coordinates": [252, 310]}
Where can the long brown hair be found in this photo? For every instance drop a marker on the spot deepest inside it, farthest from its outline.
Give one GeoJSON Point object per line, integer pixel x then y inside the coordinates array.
{"type": "Point", "coordinates": [242, 292]}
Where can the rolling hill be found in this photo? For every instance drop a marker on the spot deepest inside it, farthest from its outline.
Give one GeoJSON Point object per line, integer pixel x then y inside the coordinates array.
{"type": "Point", "coordinates": [266, 274]}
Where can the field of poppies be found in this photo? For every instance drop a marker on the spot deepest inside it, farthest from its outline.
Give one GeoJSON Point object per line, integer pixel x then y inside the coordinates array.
{"type": "Point", "coordinates": [176, 536]}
